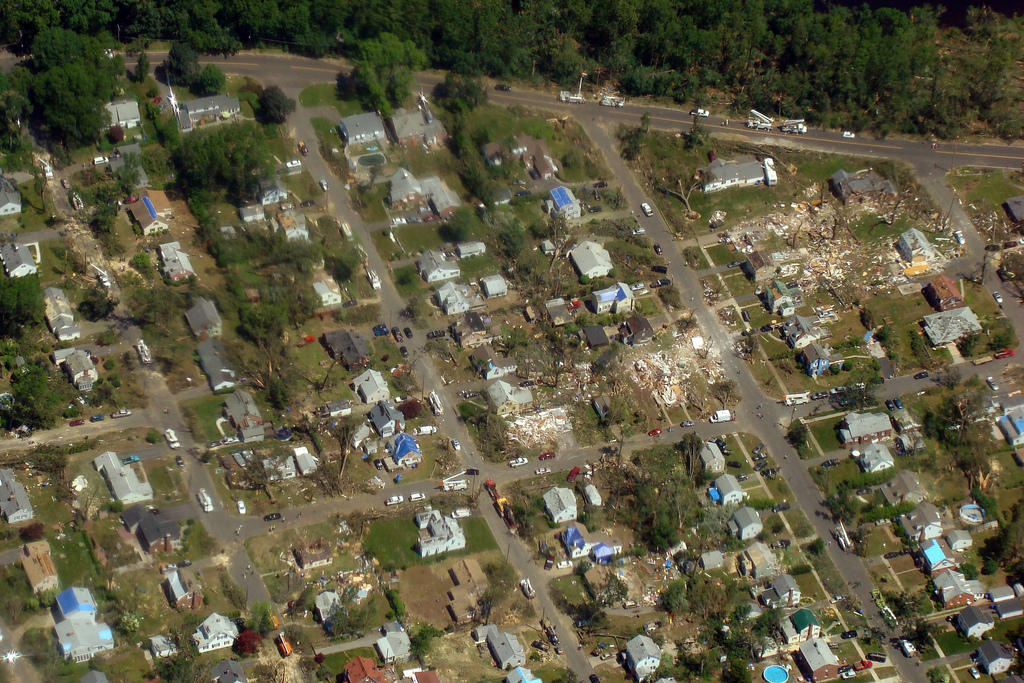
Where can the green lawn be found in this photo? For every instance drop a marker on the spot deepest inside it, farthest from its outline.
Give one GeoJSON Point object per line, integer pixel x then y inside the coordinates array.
{"type": "Point", "coordinates": [393, 541]}
{"type": "Point", "coordinates": [825, 433]}
{"type": "Point", "coordinates": [952, 643]}
{"type": "Point", "coordinates": [166, 481]}
{"type": "Point", "coordinates": [326, 95]}
{"type": "Point", "coordinates": [987, 190]}
{"type": "Point", "coordinates": [73, 559]}
{"type": "Point", "coordinates": [205, 411]}
{"type": "Point", "coordinates": [334, 664]}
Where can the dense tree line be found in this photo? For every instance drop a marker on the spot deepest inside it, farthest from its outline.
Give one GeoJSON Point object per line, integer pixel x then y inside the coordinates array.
{"type": "Point", "coordinates": [860, 66]}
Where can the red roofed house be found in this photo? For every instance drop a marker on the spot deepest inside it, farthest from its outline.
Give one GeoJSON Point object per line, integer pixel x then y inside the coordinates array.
{"type": "Point", "coordinates": [943, 293]}
{"type": "Point", "coordinates": [362, 670]}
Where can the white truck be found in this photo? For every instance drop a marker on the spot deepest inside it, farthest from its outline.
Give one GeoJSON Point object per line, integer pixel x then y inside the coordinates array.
{"type": "Point", "coordinates": [722, 416]}
{"type": "Point", "coordinates": [144, 354]}
{"type": "Point", "coordinates": [759, 121]}
{"type": "Point", "coordinates": [612, 101]}
{"type": "Point", "coordinates": [424, 429]}
{"type": "Point", "coordinates": [435, 403]}
{"type": "Point", "coordinates": [528, 589]}
{"type": "Point", "coordinates": [794, 126]}
{"type": "Point", "coordinates": [453, 484]}
{"type": "Point", "coordinates": [205, 502]}
{"type": "Point", "coordinates": [798, 399]}
{"type": "Point", "coordinates": [372, 276]}
{"type": "Point", "coordinates": [346, 230]}
{"type": "Point", "coordinates": [570, 97]}
{"type": "Point", "coordinates": [101, 275]}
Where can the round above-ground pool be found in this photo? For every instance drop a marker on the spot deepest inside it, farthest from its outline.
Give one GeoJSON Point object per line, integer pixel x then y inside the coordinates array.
{"type": "Point", "coordinates": [972, 514]}
{"type": "Point", "coordinates": [775, 674]}
{"type": "Point", "coordinates": [368, 160]}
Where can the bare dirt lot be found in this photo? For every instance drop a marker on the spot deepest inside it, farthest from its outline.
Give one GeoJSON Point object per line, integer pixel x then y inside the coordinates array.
{"type": "Point", "coordinates": [424, 590]}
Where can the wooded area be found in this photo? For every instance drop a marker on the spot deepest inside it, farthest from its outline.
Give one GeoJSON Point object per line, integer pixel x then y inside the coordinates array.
{"type": "Point", "coordinates": [862, 68]}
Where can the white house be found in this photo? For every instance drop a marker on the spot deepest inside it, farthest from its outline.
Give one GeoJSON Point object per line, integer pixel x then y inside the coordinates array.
{"type": "Point", "coordinates": [875, 457]}
{"type": "Point", "coordinates": [438, 533]}
{"type": "Point", "coordinates": [328, 292]}
{"type": "Point", "coordinates": [643, 657]}
{"type": "Point", "coordinates": [615, 299]}
{"type": "Point", "coordinates": [17, 258]}
{"type": "Point", "coordinates": [434, 267]}
{"type": "Point", "coordinates": [493, 286]}
{"type": "Point", "coordinates": [711, 458]}
{"type": "Point", "coordinates": [371, 387]}
{"type": "Point", "coordinates": [10, 198]}
{"type": "Point", "coordinates": [729, 490]}
{"type": "Point", "coordinates": [560, 504]}
{"type": "Point", "coordinates": [124, 113]}
{"type": "Point", "coordinates": [215, 633]}
{"type": "Point", "coordinates": [591, 259]}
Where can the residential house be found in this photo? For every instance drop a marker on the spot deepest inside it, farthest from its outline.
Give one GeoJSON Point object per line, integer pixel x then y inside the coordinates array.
{"type": "Point", "coordinates": [312, 555]}
{"type": "Point", "coordinates": [782, 298]}
{"type": "Point", "coordinates": [473, 330]}
{"type": "Point", "coordinates": [124, 483]}
{"type": "Point", "coordinates": [151, 212]}
{"type": "Point", "coordinates": [875, 457]}
{"type": "Point", "coordinates": [215, 633]}
{"type": "Point", "coordinates": [993, 657]}
{"type": "Point", "coordinates": [818, 358]}
{"type": "Point", "coordinates": [493, 286]}
{"type": "Point", "coordinates": [362, 128]}
{"type": "Point", "coordinates": [521, 674]}
{"type": "Point", "coordinates": [79, 635]}
{"type": "Point", "coordinates": [438, 533]}
{"type": "Point", "coordinates": [203, 319]}
{"type": "Point", "coordinates": [305, 462]}
{"type": "Point", "coordinates": [535, 156]}
{"type": "Point", "coordinates": [10, 201]}
{"type": "Point", "coordinates": [799, 331]}
{"type": "Point", "coordinates": [228, 671]}
{"type": "Point", "coordinates": [740, 172]}
{"type": "Point", "coordinates": [730, 492]}
{"type": "Point", "coordinates": [490, 365]}
{"type": "Point", "coordinates": [592, 496]}
{"type": "Point", "coordinates": [124, 113]}
{"type": "Point", "coordinates": [1009, 609]}
{"type": "Point", "coordinates": [467, 249]}
{"type": "Point", "coordinates": [39, 568]}
{"type": "Point", "coordinates": [371, 387]}
{"type": "Point", "coordinates": [441, 199]}
{"type": "Point", "coordinates": [1014, 207]}
{"type": "Point", "coordinates": [590, 259]}
{"type": "Point", "coordinates": [915, 248]}
{"type": "Point", "coordinates": [643, 657]}
{"type": "Point", "coordinates": [758, 266]}
{"type": "Point", "coordinates": [79, 367]}
{"type": "Point", "coordinates": [280, 468]}
{"type": "Point", "coordinates": [161, 646]}
{"type": "Point", "coordinates": [904, 487]}
{"type": "Point", "coordinates": [572, 539]}
{"type": "Point", "coordinates": [997, 594]}
{"type": "Point", "coordinates": [118, 161]}
{"type": "Point", "coordinates": [711, 560]}
{"type": "Point", "coordinates": [214, 363]}
{"type": "Point", "coordinates": [182, 591]}
{"type": "Point", "coordinates": [615, 299]}
{"type": "Point", "coordinates": [433, 266]}
{"type": "Point", "coordinates": [817, 661]}
{"type": "Point", "coordinates": [959, 540]}
{"type": "Point", "coordinates": [711, 458]}
{"type": "Point", "coordinates": [862, 428]}
{"type": "Point", "coordinates": [800, 626]}
{"type": "Point", "coordinates": [504, 646]}
{"type": "Point", "coordinates": [325, 604]}
{"type": "Point", "coordinates": [493, 153]}
{"type": "Point", "coordinates": [974, 622]}
{"type": "Point", "coordinates": [17, 258]}
{"type": "Point", "coordinates": [923, 523]}
{"type": "Point", "coordinates": [595, 336]}
{"type": "Point", "coordinates": [859, 187]}
{"type": "Point", "coordinates": [14, 503]}
{"type": "Point", "coordinates": [937, 558]}
{"type": "Point", "coordinates": [1012, 426]}
{"type": "Point", "coordinates": [558, 311]}
{"type": "Point", "coordinates": [953, 590]}
{"type": "Point", "coordinates": [943, 293]}
{"type": "Point", "coordinates": [362, 670]}
{"type": "Point", "coordinates": [637, 330]}
{"type": "Point", "coordinates": [207, 109]}
{"type": "Point", "coordinates": [454, 298]}
{"type": "Point", "coordinates": [386, 419]}
{"type": "Point", "coordinates": [745, 523]}
{"type": "Point", "coordinates": [354, 352]}
{"type": "Point", "coordinates": [508, 399]}
{"type": "Point", "coordinates": [560, 504]}
{"type": "Point", "coordinates": [947, 327]}
{"type": "Point", "coordinates": [250, 213]}
{"type": "Point", "coordinates": [244, 415]}
{"type": "Point", "coordinates": [293, 225]}
{"type": "Point", "coordinates": [417, 127]}
{"type": "Point", "coordinates": [340, 408]}
{"type": "Point", "coordinates": [404, 190]}
{"type": "Point", "coordinates": [177, 265]}
{"type": "Point", "coordinates": [784, 591]}
{"type": "Point", "coordinates": [393, 645]}
{"type": "Point", "coordinates": [155, 532]}
{"type": "Point", "coordinates": [563, 204]}
{"type": "Point", "coordinates": [759, 562]}
{"type": "Point", "coordinates": [405, 452]}
{"type": "Point", "coordinates": [271, 191]}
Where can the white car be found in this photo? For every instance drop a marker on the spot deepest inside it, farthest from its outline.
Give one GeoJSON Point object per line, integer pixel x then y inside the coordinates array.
{"type": "Point", "coordinates": [998, 297]}
{"type": "Point", "coordinates": [99, 161]}
{"type": "Point", "coordinates": [456, 446]}
{"type": "Point", "coordinates": [413, 497]}
{"type": "Point", "coordinates": [241, 506]}
{"type": "Point", "coordinates": [294, 163]}
{"type": "Point", "coordinates": [703, 113]}
{"type": "Point", "coordinates": [323, 184]}
{"type": "Point", "coordinates": [637, 287]}
{"type": "Point", "coordinates": [958, 235]}
{"type": "Point", "coordinates": [564, 564]}
{"type": "Point", "coordinates": [172, 438]}
{"type": "Point", "coordinates": [646, 208]}
{"type": "Point", "coordinates": [394, 500]}
{"type": "Point", "coordinates": [518, 462]}
{"type": "Point", "coordinates": [459, 513]}
{"type": "Point", "coordinates": [848, 134]}
{"type": "Point", "coordinates": [991, 384]}
{"type": "Point", "coordinates": [542, 470]}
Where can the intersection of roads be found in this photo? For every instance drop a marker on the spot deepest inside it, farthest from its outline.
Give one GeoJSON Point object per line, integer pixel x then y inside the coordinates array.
{"type": "Point", "coordinates": [293, 74]}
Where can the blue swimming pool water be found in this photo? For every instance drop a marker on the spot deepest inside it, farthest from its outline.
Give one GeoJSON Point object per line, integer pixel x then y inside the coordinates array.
{"type": "Point", "coordinates": [775, 674]}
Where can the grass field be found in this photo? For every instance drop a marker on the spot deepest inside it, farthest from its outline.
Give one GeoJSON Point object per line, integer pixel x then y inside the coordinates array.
{"type": "Point", "coordinates": [73, 560]}
{"type": "Point", "coordinates": [326, 95]}
{"type": "Point", "coordinates": [825, 433]}
{"type": "Point", "coordinates": [393, 541]}
{"type": "Point", "coordinates": [206, 411]}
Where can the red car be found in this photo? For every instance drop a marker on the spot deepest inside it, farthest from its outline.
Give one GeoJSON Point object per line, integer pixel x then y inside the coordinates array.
{"type": "Point", "coordinates": [76, 423]}
{"type": "Point", "coordinates": [654, 432]}
{"type": "Point", "coordinates": [1005, 353]}
{"type": "Point", "coordinates": [573, 473]}
{"type": "Point", "coordinates": [547, 455]}
{"type": "Point", "coordinates": [862, 665]}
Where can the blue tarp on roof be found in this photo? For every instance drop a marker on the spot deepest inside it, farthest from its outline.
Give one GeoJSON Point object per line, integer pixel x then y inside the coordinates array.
{"type": "Point", "coordinates": [75, 600]}
{"type": "Point", "coordinates": [404, 444]}
{"type": "Point", "coordinates": [149, 207]}
{"type": "Point", "coordinates": [560, 197]}
{"type": "Point", "coordinates": [714, 495]}
{"type": "Point", "coordinates": [573, 538]}
{"type": "Point", "coordinates": [933, 553]}
{"type": "Point", "coordinates": [602, 553]}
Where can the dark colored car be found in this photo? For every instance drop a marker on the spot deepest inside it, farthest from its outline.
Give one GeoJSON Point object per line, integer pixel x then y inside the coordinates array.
{"type": "Point", "coordinates": [742, 477]}
{"type": "Point", "coordinates": [760, 466]}
{"type": "Point", "coordinates": [272, 517]}
{"type": "Point", "coordinates": [179, 461]}
{"type": "Point", "coordinates": [781, 507]}
{"type": "Point", "coordinates": [687, 423]}
{"type": "Point", "coordinates": [818, 395]}
{"type": "Point", "coordinates": [659, 269]}
{"type": "Point", "coordinates": [350, 303]}
{"type": "Point", "coordinates": [527, 383]}
{"type": "Point", "coordinates": [663, 282]}
{"type": "Point", "coordinates": [503, 87]}
{"type": "Point", "coordinates": [921, 375]}
{"type": "Point", "coordinates": [378, 463]}
{"type": "Point", "coordinates": [877, 657]}
{"type": "Point", "coordinates": [657, 249]}
{"type": "Point", "coordinates": [600, 184]}
{"type": "Point", "coordinates": [898, 403]}
{"type": "Point", "coordinates": [734, 463]}
{"type": "Point", "coordinates": [408, 332]}
{"type": "Point", "coordinates": [847, 635]}
{"type": "Point", "coordinates": [308, 203]}
{"type": "Point", "coordinates": [734, 264]}
{"type": "Point", "coordinates": [594, 678]}
{"type": "Point", "coordinates": [404, 351]}
{"type": "Point", "coordinates": [76, 423]}
{"type": "Point", "coordinates": [547, 455]}
{"type": "Point", "coordinates": [396, 333]}
{"type": "Point", "coordinates": [595, 208]}
{"type": "Point", "coordinates": [380, 330]}
{"type": "Point", "coordinates": [889, 404]}
{"type": "Point", "coordinates": [97, 418]}
{"type": "Point", "coordinates": [434, 334]}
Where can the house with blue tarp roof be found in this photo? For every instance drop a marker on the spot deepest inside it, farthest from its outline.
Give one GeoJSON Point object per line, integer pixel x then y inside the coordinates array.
{"type": "Point", "coordinates": [937, 557]}
{"type": "Point", "coordinates": [564, 203]}
{"type": "Point", "coordinates": [1012, 426]}
{"type": "Point", "coordinates": [615, 299]}
{"type": "Point", "coordinates": [572, 538]}
{"type": "Point", "coordinates": [405, 452]}
{"type": "Point", "coordinates": [79, 634]}
{"type": "Point", "coordinates": [602, 553]}
{"type": "Point", "coordinates": [76, 599]}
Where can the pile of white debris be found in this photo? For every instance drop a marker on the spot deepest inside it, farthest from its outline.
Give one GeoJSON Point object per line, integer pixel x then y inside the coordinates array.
{"type": "Point", "coordinates": [542, 427]}
{"type": "Point", "coordinates": [668, 372]}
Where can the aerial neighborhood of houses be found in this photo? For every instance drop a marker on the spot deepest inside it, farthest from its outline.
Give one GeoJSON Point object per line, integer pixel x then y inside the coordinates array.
{"type": "Point", "coordinates": [476, 384]}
